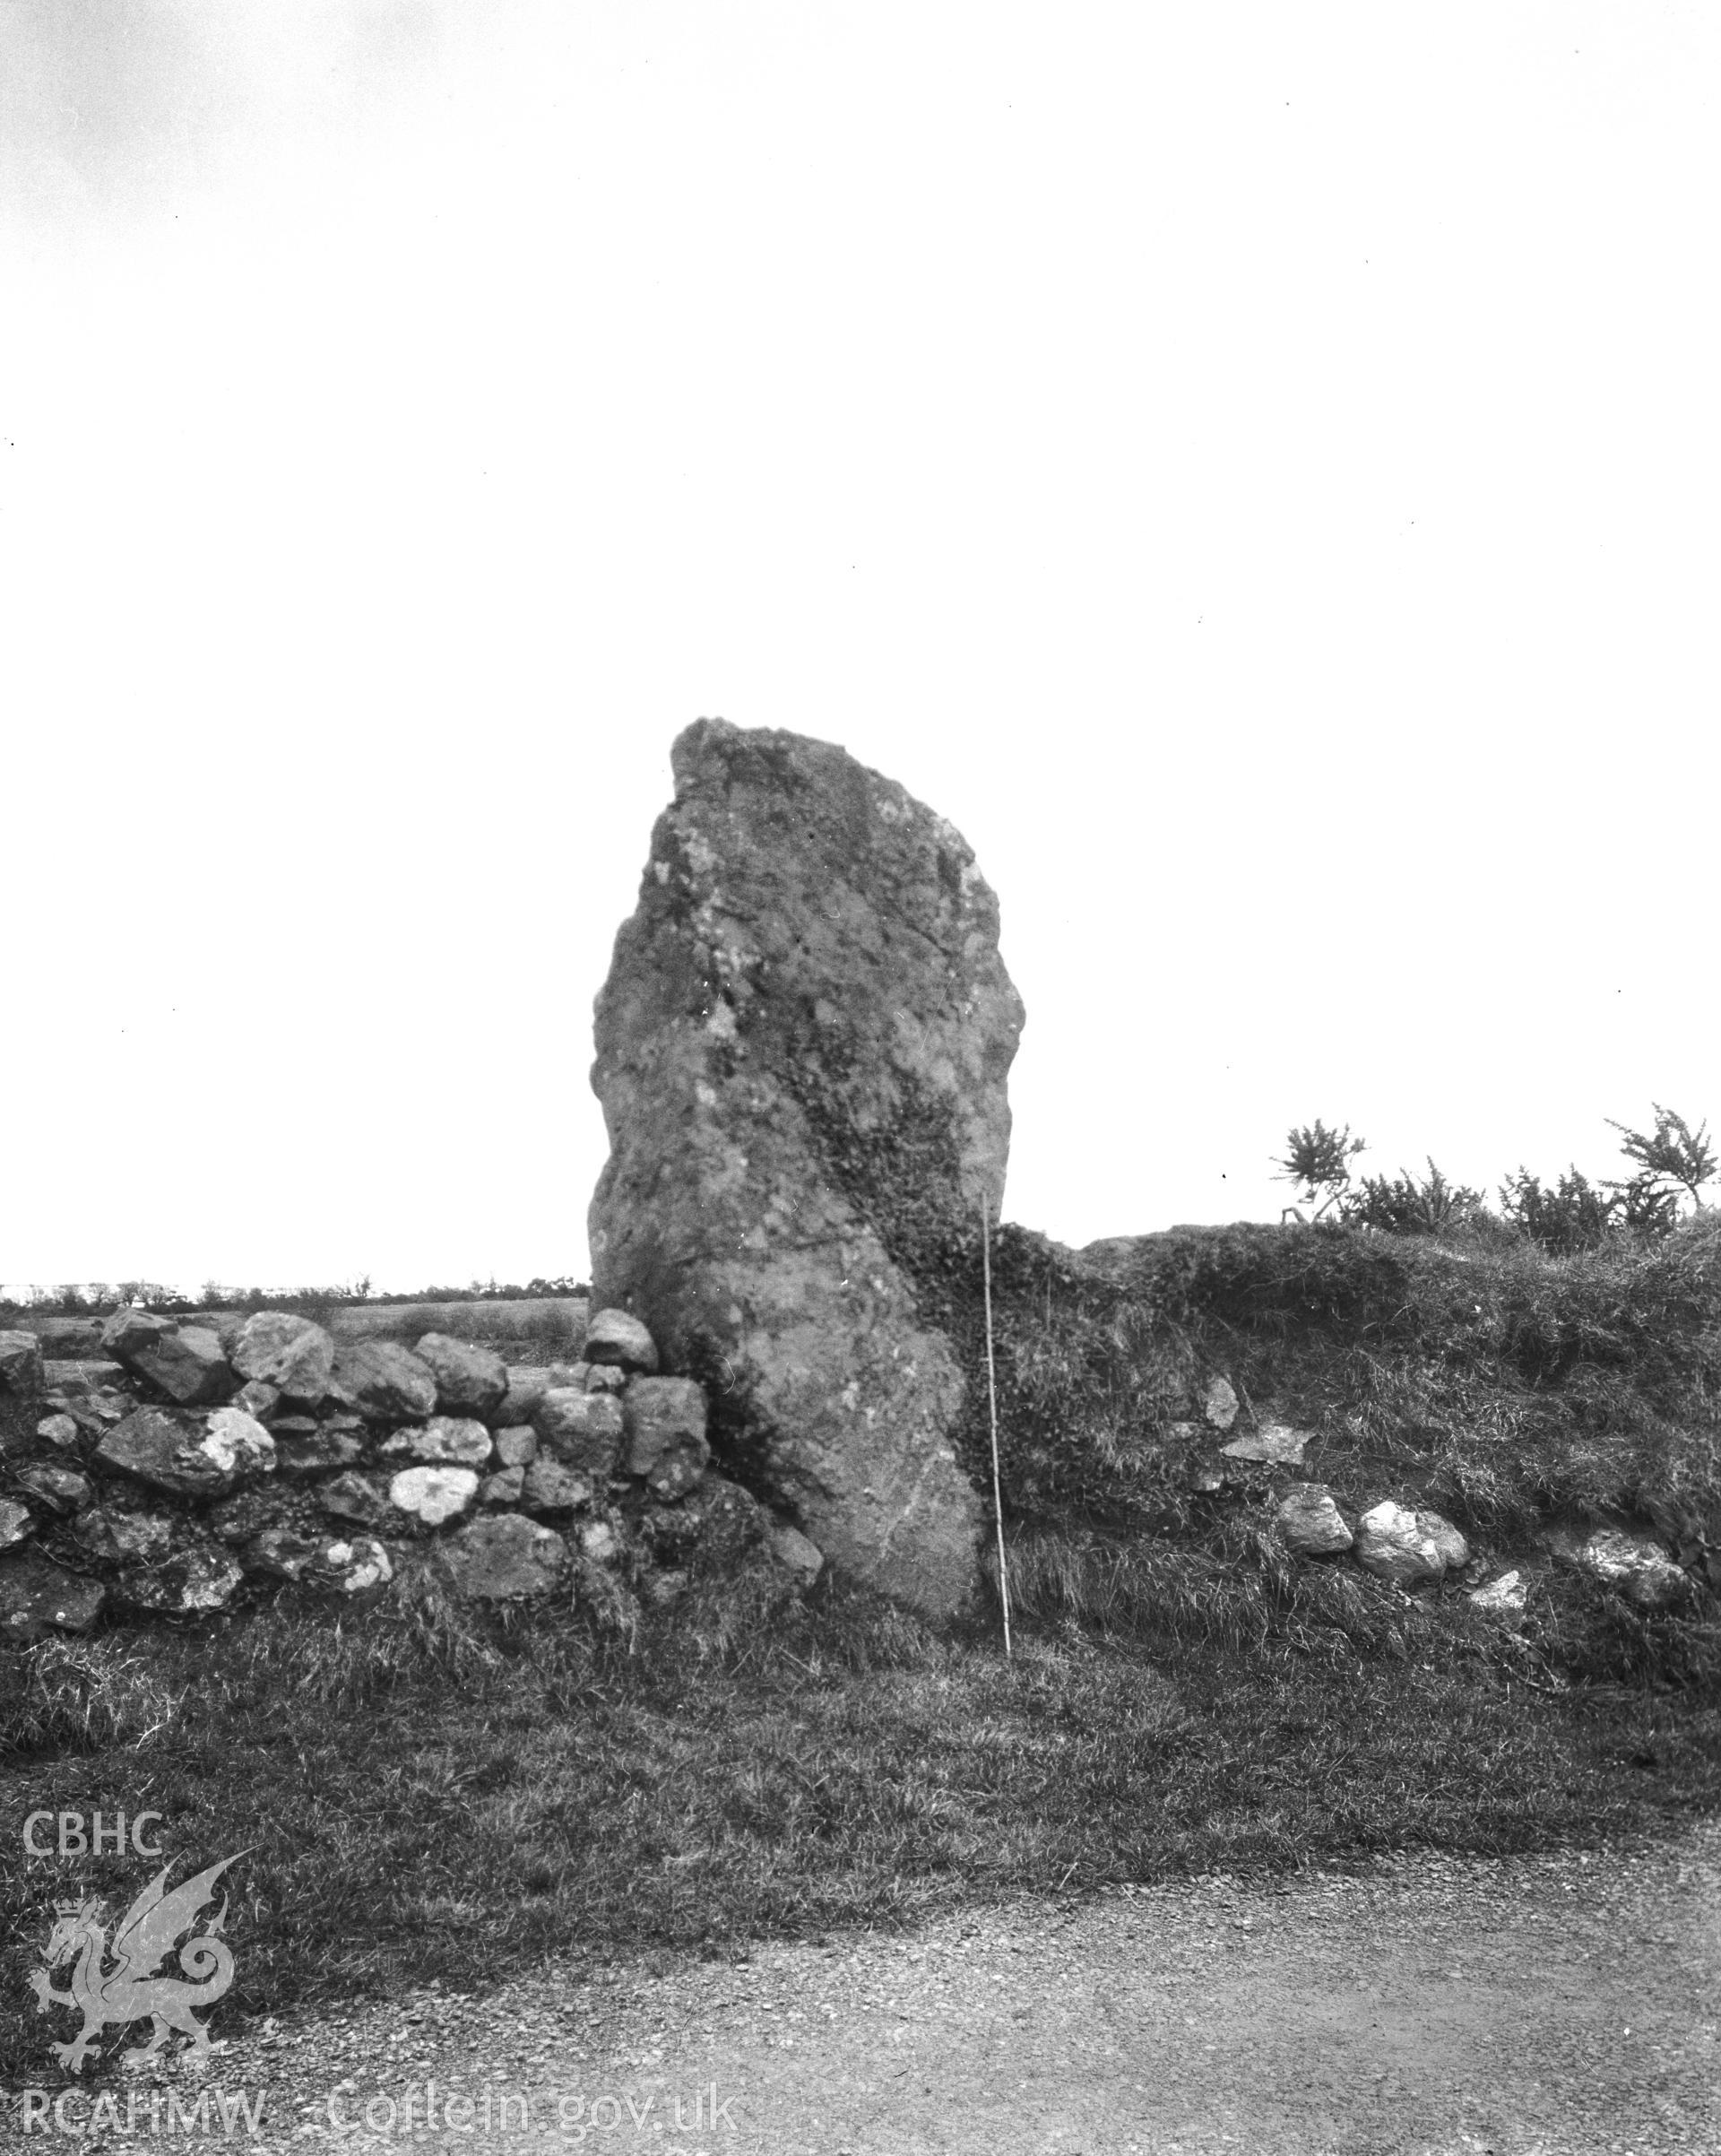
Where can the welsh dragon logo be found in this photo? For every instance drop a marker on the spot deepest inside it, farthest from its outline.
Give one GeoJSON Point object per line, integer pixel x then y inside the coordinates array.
{"type": "Point", "coordinates": [131, 1988]}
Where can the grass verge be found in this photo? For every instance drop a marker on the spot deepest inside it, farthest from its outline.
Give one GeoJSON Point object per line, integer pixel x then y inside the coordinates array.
{"type": "Point", "coordinates": [432, 1793]}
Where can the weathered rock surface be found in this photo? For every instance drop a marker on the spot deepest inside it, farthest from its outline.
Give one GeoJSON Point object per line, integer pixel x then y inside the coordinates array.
{"type": "Point", "coordinates": [1454, 1551]}
{"type": "Point", "coordinates": [60, 1431]}
{"type": "Point", "coordinates": [583, 1429]}
{"type": "Point", "coordinates": [188, 1455]}
{"type": "Point", "coordinates": [717, 1527]}
{"type": "Point", "coordinates": [1219, 1403]}
{"type": "Point", "coordinates": [293, 1356]}
{"type": "Point", "coordinates": [36, 1593]}
{"type": "Point", "coordinates": [81, 1379]}
{"type": "Point", "coordinates": [1506, 1595]}
{"type": "Point", "coordinates": [186, 1362]}
{"type": "Point", "coordinates": [355, 1497]}
{"type": "Point", "coordinates": [318, 1450]}
{"type": "Point", "coordinates": [238, 1518]}
{"type": "Point", "coordinates": [527, 1384]}
{"type": "Point", "coordinates": [802, 1560]}
{"type": "Point", "coordinates": [470, 1380]}
{"type": "Point", "coordinates": [15, 1523]}
{"type": "Point", "coordinates": [58, 1489]}
{"type": "Point", "coordinates": [21, 1363]}
{"type": "Point", "coordinates": [802, 1053]}
{"type": "Point", "coordinates": [505, 1488]}
{"type": "Point", "coordinates": [383, 1379]}
{"type": "Point", "coordinates": [1409, 1548]}
{"type": "Point", "coordinates": [503, 1559]}
{"type": "Point", "coordinates": [125, 1538]}
{"type": "Point", "coordinates": [516, 1446]}
{"type": "Point", "coordinates": [618, 1337]}
{"type": "Point", "coordinates": [665, 1421]}
{"type": "Point", "coordinates": [256, 1399]}
{"type": "Point", "coordinates": [1637, 1565]}
{"type": "Point", "coordinates": [193, 1579]}
{"type": "Point", "coordinates": [1273, 1444]}
{"type": "Point", "coordinates": [352, 1567]}
{"type": "Point", "coordinates": [1309, 1522]}
{"type": "Point", "coordinates": [547, 1486]}
{"type": "Point", "coordinates": [457, 1441]}
{"type": "Point", "coordinates": [282, 1553]}
{"type": "Point", "coordinates": [433, 1495]}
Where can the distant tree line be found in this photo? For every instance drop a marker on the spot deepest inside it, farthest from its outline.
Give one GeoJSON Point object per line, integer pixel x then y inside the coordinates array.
{"type": "Point", "coordinates": [101, 1298]}
{"type": "Point", "coordinates": [1668, 1165]}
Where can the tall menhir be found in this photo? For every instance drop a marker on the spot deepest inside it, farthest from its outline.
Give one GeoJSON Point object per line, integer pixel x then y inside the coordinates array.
{"type": "Point", "coordinates": [803, 1049]}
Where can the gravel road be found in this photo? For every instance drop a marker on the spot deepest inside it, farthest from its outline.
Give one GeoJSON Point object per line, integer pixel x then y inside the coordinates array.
{"type": "Point", "coordinates": [1422, 2006]}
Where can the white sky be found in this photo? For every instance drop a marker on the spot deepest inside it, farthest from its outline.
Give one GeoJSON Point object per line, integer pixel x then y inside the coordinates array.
{"type": "Point", "coordinates": [1253, 469]}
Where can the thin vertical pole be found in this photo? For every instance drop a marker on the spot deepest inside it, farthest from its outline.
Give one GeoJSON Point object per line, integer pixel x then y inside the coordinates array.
{"type": "Point", "coordinates": [991, 1396]}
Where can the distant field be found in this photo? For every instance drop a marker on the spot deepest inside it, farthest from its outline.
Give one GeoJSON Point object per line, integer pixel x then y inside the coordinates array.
{"type": "Point", "coordinates": [548, 1324]}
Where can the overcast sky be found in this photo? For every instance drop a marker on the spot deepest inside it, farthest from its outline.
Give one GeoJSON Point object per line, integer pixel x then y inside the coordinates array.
{"type": "Point", "coordinates": [1253, 469]}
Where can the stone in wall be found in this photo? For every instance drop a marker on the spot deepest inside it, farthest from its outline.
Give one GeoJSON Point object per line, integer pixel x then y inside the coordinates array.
{"type": "Point", "coordinates": [470, 1380]}
{"type": "Point", "coordinates": [186, 1362]}
{"type": "Point", "coordinates": [290, 1354]}
{"type": "Point", "coordinates": [802, 1051]}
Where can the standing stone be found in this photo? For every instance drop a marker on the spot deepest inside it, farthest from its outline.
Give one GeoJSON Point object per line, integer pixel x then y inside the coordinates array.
{"type": "Point", "coordinates": [803, 1046]}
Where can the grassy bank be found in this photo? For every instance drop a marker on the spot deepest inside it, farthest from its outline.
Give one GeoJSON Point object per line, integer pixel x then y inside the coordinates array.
{"type": "Point", "coordinates": [1502, 1386]}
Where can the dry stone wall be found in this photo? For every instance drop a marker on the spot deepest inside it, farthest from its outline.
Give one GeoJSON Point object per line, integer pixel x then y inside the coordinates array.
{"type": "Point", "coordinates": [183, 1465]}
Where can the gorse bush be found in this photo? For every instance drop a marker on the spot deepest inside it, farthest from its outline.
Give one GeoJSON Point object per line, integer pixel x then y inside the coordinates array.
{"type": "Point", "coordinates": [1574, 1216]}
{"type": "Point", "coordinates": [1672, 1163]}
{"type": "Point", "coordinates": [1319, 1160]}
{"type": "Point", "coordinates": [1402, 1204]}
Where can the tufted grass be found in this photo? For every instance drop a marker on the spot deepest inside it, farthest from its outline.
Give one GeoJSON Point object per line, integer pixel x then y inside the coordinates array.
{"type": "Point", "coordinates": [430, 1793]}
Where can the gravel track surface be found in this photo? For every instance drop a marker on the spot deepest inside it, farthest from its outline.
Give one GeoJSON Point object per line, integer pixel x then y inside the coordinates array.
{"type": "Point", "coordinates": [1552, 2006]}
